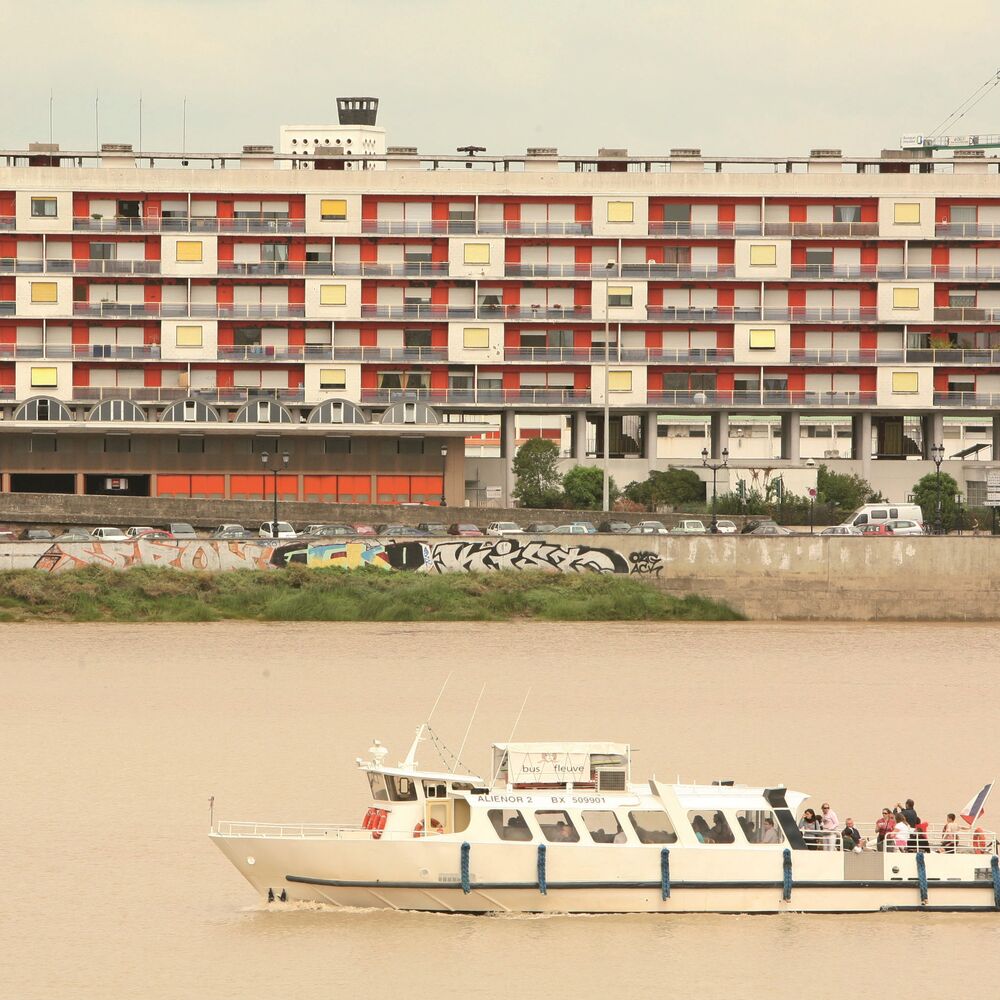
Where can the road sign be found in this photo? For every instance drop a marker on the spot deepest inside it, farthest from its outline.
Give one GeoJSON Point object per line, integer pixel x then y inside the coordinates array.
{"type": "Point", "coordinates": [812, 492]}
{"type": "Point", "coordinates": [993, 489]}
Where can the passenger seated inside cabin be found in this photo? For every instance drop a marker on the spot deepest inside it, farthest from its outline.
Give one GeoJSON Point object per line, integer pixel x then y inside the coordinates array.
{"type": "Point", "coordinates": [509, 824]}
{"type": "Point", "coordinates": [603, 826]}
{"type": "Point", "coordinates": [653, 826]}
{"type": "Point", "coordinates": [721, 834]}
{"type": "Point", "coordinates": [701, 830]}
{"type": "Point", "coordinates": [748, 828]}
{"type": "Point", "coordinates": [769, 832]}
{"type": "Point", "coordinates": [556, 826]}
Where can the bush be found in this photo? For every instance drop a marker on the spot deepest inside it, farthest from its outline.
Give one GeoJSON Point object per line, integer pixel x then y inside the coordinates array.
{"type": "Point", "coordinates": [669, 488]}
{"type": "Point", "coordinates": [583, 488]}
{"type": "Point", "coordinates": [538, 481]}
{"type": "Point", "coordinates": [925, 493]}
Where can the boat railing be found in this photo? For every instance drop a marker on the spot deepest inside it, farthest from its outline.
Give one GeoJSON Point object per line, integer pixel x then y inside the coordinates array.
{"type": "Point", "coordinates": [934, 839]}
{"type": "Point", "coordinates": [307, 831]}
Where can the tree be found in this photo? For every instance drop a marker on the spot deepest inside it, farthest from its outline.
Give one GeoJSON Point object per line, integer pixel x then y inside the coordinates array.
{"type": "Point", "coordinates": [583, 488]}
{"type": "Point", "coordinates": [670, 488]}
{"type": "Point", "coordinates": [925, 493]}
{"type": "Point", "coordinates": [848, 492]}
{"type": "Point", "coordinates": [538, 481]}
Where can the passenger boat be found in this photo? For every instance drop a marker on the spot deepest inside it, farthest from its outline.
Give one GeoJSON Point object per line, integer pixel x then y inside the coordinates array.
{"type": "Point", "coordinates": [561, 827]}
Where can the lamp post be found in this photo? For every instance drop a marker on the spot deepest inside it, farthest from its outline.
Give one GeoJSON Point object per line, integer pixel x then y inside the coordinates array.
{"type": "Point", "coordinates": [265, 461]}
{"type": "Point", "coordinates": [715, 468]}
{"type": "Point", "coordinates": [937, 457]}
{"type": "Point", "coordinates": [444, 472]}
{"type": "Point", "coordinates": [811, 464]}
{"type": "Point", "coordinates": [606, 493]}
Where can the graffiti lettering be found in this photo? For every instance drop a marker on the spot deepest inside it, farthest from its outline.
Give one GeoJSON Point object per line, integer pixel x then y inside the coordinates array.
{"type": "Point", "coordinates": [646, 562]}
{"type": "Point", "coordinates": [506, 553]}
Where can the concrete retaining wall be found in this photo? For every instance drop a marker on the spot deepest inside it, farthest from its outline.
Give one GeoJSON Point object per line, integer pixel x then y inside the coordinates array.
{"type": "Point", "coordinates": [848, 578]}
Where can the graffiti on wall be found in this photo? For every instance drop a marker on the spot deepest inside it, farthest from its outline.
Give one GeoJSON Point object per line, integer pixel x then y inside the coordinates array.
{"type": "Point", "coordinates": [462, 556]}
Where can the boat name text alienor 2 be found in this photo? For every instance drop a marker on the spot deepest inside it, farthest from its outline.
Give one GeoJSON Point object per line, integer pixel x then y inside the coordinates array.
{"type": "Point", "coordinates": [572, 800]}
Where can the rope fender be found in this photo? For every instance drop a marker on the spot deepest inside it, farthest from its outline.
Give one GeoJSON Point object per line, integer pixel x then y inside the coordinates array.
{"type": "Point", "coordinates": [464, 868]}
{"type": "Point", "coordinates": [922, 877]}
{"type": "Point", "coordinates": [786, 874]}
{"type": "Point", "coordinates": [665, 873]}
{"type": "Point", "coordinates": [542, 888]}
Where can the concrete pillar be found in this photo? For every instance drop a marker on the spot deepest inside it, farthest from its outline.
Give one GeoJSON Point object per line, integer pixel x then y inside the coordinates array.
{"type": "Point", "coordinates": [994, 457]}
{"type": "Point", "coordinates": [720, 434]}
{"type": "Point", "coordinates": [79, 484]}
{"type": "Point", "coordinates": [933, 427]}
{"type": "Point", "coordinates": [5, 476]}
{"type": "Point", "coordinates": [508, 448]}
{"type": "Point", "coordinates": [579, 450]}
{"type": "Point", "coordinates": [790, 436]}
{"type": "Point", "coordinates": [861, 440]}
{"type": "Point", "coordinates": [650, 430]}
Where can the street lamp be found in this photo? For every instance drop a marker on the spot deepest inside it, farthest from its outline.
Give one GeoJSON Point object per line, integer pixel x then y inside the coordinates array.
{"type": "Point", "coordinates": [715, 468]}
{"type": "Point", "coordinates": [811, 464]}
{"type": "Point", "coordinates": [937, 457]}
{"type": "Point", "coordinates": [606, 493]}
{"type": "Point", "coordinates": [444, 472]}
{"type": "Point", "coordinates": [265, 460]}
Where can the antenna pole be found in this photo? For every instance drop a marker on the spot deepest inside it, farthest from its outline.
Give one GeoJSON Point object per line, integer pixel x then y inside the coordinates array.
{"type": "Point", "coordinates": [458, 756]}
{"type": "Point", "coordinates": [184, 127]}
{"type": "Point", "coordinates": [140, 123]}
{"type": "Point", "coordinates": [97, 122]}
{"type": "Point", "coordinates": [436, 700]}
{"type": "Point", "coordinates": [50, 117]}
{"type": "Point", "coordinates": [496, 773]}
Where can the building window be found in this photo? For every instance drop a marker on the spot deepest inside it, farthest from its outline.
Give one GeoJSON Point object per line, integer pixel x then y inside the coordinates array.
{"type": "Point", "coordinates": [190, 444]}
{"type": "Point", "coordinates": [44, 378]}
{"type": "Point", "coordinates": [189, 251]}
{"type": "Point", "coordinates": [188, 336]}
{"type": "Point", "coordinates": [620, 295]}
{"type": "Point", "coordinates": [333, 378]}
{"type": "Point", "coordinates": [475, 338]}
{"type": "Point", "coordinates": [763, 255]}
{"type": "Point", "coordinates": [333, 295]}
{"type": "Point", "coordinates": [905, 382]}
{"type": "Point", "coordinates": [906, 213]}
{"type": "Point", "coordinates": [621, 211]}
{"type": "Point", "coordinates": [333, 209]}
{"type": "Point", "coordinates": [846, 213]}
{"type": "Point", "coordinates": [762, 340]}
{"type": "Point", "coordinates": [44, 208]}
{"type": "Point", "coordinates": [676, 213]}
{"type": "Point", "coordinates": [337, 445]}
{"type": "Point", "coordinates": [620, 381]}
{"type": "Point", "coordinates": [43, 443]}
{"type": "Point", "coordinates": [44, 291]}
{"type": "Point", "coordinates": [410, 446]}
{"type": "Point", "coordinates": [477, 253]}
{"type": "Point", "coordinates": [117, 444]}
{"type": "Point", "coordinates": [103, 251]}
{"type": "Point", "coordinates": [906, 298]}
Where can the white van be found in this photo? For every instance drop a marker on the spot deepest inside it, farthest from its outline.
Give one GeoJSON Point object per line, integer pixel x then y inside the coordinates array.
{"type": "Point", "coordinates": [879, 513]}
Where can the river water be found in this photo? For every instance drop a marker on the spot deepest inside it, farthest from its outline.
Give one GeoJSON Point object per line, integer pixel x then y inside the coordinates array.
{"type": "Point", "coordinates": [113, 737]}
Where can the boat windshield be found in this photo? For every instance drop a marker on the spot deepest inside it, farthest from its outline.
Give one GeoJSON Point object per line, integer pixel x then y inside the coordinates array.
{"type": "Point", "coordinates": [377, 782]}
{"type": "Point", "coordinates": [653, 826]}
{"type": "Point", "coordinates": [401, 788]}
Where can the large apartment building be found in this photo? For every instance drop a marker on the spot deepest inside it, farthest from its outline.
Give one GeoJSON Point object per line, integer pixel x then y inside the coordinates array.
{"type": "Point", "coordinates": [399, 323]}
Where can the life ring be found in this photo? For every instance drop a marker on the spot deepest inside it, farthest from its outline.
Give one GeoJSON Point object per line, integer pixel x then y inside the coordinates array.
{"type": "Point", "coordinates": [436, 827]}
{"type": "Point", "coordinates": [374, 821]}
{"type": "Point", "coordinates": [979, 841]}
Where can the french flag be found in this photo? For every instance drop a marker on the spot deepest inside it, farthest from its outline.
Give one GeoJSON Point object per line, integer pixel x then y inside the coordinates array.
{"type": "Point", "coordinates": [974, 808]}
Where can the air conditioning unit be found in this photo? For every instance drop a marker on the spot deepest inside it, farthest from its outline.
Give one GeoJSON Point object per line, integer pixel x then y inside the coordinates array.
{"type": "Point", "coordinates": [611, 780]}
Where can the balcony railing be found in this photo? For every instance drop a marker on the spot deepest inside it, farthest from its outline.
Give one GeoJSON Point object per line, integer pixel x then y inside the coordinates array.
{"type": "Point", "coordinates": [555, 271]}
{"type": "Point", "coordinates": [677, 272]}
{"type": "Point", "coordinates": [277, 268]}
{"type": "Point", "coordinates": [168, 395]}
{"type": "Point", "coordinates": [7, 222]}
{"type": "Point", "coordinates": [822, 230]}
{"type": "Point", "coordinates": [404, 354]}
{"type": "Point", "coordinates": [967, 230]}
{"type": "Point", "coordinates": [8, 392]}
{"type": "Point", "coordinates": [535, 228]}
{"type": "Point", "coordinates": [425, 227]}
{"type": "Point", "coordinates": [193, 224]}
{"type": "Point", "coordinates": [803, 314]}
{"type": "Point", "coordinates": [973, 399]}
{"type": "Point", "coordinates": [7, 308]}
{"type": "Point", "coordinates": [703, 314]}
{"type": "Point", "coordinates": [757, 398]}
{"type": "Point", "coordinates": [478, 397]}
{"type": "Point", "coordinates": [81, 352]}
{"type": "Point", "coordinates": [844, 272]}
{"type": "Point", "coordinates": [418, 311]}
{"type": "Point", "coordinates": [10, 265]}
{"type": "Point", "coordinates": [847, 357]}
{"type": "Point", "coordinates": [966, 314]}
{"type": "Point", "coordinates": [952, 356]}
{"type": "Point", "coordinates": [942, 272]}
{"type": "Point", "coordinates": [704, 229]}
{"type": "Point", "coordinates": [194, 310]}
{"type": "Point", "coordinates": [261, 352]}
{"type": "Point", "coordinates": [566, 314]}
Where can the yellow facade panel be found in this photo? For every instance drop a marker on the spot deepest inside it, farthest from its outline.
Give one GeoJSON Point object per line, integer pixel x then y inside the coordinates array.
{"type": "Point", "coordinates": [621, 211]}
{"type": "Point", "coordinates": [44, 291]}
{"type": "Point", "coordinates": [333, 209]}
{"type": "Point", "coordinates": [477, 253]}
{"type": "Point", "coordinates": [763, 340]}
{"type": "Point", "coordinates": [619, 381]}
{"type": "Point", "coordinates": [906, 382]}
{"type": "Point", "coordinates": [332, 378]}
{"type": "Point", "coordinates": [190, 251]}
{"type": "Point", "coordinates": [906, 213]}
{"type": "Point", "coordinates": [44, 378]}
{"type": "Point", "coordinates": [333, 295]}
{"type": "Point", "coordinates": [763, 254]}
{"type": "Point", "coordinates": [475, 338]}
{"type": "Point", "coordinates": [906, 298]}
{"type": "Point", "coordinates": [189, 336]}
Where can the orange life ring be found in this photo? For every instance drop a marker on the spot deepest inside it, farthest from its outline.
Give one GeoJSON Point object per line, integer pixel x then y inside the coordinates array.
{"type": "Point", "coordinates": [436, 827]}
{"type": "Point", "coordinates": [979, 841]}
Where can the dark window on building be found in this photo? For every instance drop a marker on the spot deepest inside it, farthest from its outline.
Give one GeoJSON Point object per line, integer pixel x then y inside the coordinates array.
{"type": "Point", "coordinates": [117, 444]}
{"type": "Point", "coordinates": [416, 338]}
{"type": "Point", "coordinates": [846, 213]}
{"type": "Point", "coordinates": [246, 336]}
{"type": "Point", "coordinates": [262, 444]}
{"type": "Point", "coordinates": [102, 251]}
{"type": "Point", "coordinates": [43, 443]}
{"type": "Point", "coordinates": [129, 209]}
{"type": "Point", "coordinates": [676, 213]}
{"type": "Point", "coordinates": [337, 446]}
{"type": "Point", "coordinates": [410, 446]}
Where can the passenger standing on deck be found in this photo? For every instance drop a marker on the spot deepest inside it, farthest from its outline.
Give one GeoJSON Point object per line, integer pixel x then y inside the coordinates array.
{"type": "Point", "coordinates": [949, 835]}
{"type": "Point", "coordinates": [901, 834]}
{"type": "Point", "coordinates": [829, 823]}
{"type": "Point", "coordinates": [912, 820]}
{"type": "Point", "coordinates": [884, 827]}
{"type": "Point", "coordinates": [810, 827]}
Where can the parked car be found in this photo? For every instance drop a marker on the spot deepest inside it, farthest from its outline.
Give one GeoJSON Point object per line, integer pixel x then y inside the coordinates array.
{"type": "Point", "coordinates": [726, 528]}
{"type": "Point", "coordinates": [499, 528]}
{"type": "Point", "coordinates": [71, 536]}
{"type": "Point", "coordinates": [588, 526]}
{"type": "Point", "coordinates": [875, 529]}
{"type": "Point", "coordinates": [37, 535]}
{"type": "Point", "coordinates": [180, 529]}
{"type": "Point", "coordinates": [465, 530]}
{"type": "Point", "coordinates": [770, 528]}
{"type": "Point", "coordinates": [841, 529]}
{"type": "Point", "coordinates": [569, 529]}
{"type": "Point", "coordinates": [7, 536]}
{"type": "Point", "coordinates": [904, 527]}
{"type": "Point", "coordinates": [400, 529]}
{"type": "Point", "coordinates": [646, 529]}
{"type": "Point", "coordinates": [652, 527]}
{"type": "Point", "coordinates": [614, 527]}
{"type": "Point", "coordinates": [876, 513]}
{"type": "Point", "coordinates": [540, 528]}
{"type": "Point", "coordinates": [363, 529]}
{"type": "Point", "coordinates": [107, 534]}
{"type": "Point", "coordinates": [751, 526]}
{"type": "Point", "coordinates": [154, 535]}
{"type": "Point", "coordinates": [328, 530]}
{"type": "Point", "coordinates": [433, 527]}
{"type": "Point", "coordinates": [284, 530]}
{"type": "Point", "coordinates": [137, 530]}
{"type": "Point", "coordinates": [229, 531]}
{"type": "Point", "coordinates": [689, 526]}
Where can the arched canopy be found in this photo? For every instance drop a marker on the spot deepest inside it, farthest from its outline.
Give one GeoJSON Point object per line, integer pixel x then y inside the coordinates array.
{"type": "Point", "coordinates": [337, 411]}
{"type": "Point", "coordinates": [193, 410]}
{"type": "Point", "coordinates": [410, 413]}
{"type": "Point", "coordinates": [117, 409]}
{"type": "Point", "coordinates": [43, 408]}
{"type": "Point", "coordinates": [263, 411]}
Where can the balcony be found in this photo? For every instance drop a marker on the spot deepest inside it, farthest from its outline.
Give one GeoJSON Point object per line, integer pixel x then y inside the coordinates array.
{"type": "Point", "coordinates": [803, 314]}
{"type": "Point", "coordinates": [850, 357]}
{"type": "Point", "coordinates": [194, 224]}
{"type": "Point", "coordinates": [7, 308]}
{"type": "Point", "coordinates": [563, 314]}
{"type": "Point", "coordinates": [421, 310]}
{"type": "Point", "coordinates": [535, 228]}
{"type": "Point", "coordinates": [170, 310]}
{"type": "Point", "coordinates": [478, 397]}
{"type": "Point", "coordinates": [7, 392]}
{"type": "Point", "coordinates": [844, 272]}
{"type": "Point", "coordinates": [586, 271]}
{"type": "Point", "coordinates": [424, 227]}
{"type": "Point", "coordinates": [277, 268]}
{"type": "Point", "coordinates": [821, 230]}
{"type": "Point", "coordinates": [259, 352]}
{"type": "Point", "coordinates": [967, 230]}
{"type": "Point", "coordinates": [966, 314]}
{"type": "Point", "coordinates": [940, 272]}
{"type": "Point", "coordinates": [150, 394]}
{"type": "Point", "coordinates": [10, 265]}
{"type": "Point", "coordinates": [678, 356]}
{"type": "Point", "coordinates": [716, 399]}
{"type": "Point", "coordinates": [990, 400]}
{"type": "Point", "coordinates": [401, 354]}
{"type": "Point", "coordinates": [677, 272]}
{"type": "Point", "coordinates": [703, 230]}
{"type": "Point", "coordinates": [703, 314]}
{"type": "Point", "coordinates": [7, 222]}
{"type": "Point", "coordinates": [952, 356]}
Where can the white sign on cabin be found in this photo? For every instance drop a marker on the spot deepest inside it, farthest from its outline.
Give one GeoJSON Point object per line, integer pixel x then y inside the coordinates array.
{"type": "Point", "coordinates": [547, 768]}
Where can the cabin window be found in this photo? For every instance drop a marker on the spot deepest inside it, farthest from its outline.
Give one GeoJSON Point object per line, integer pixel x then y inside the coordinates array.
{"type": "Point", "coordinates": [653, 826]}
{"type": "Point", "coordinates": [711, 827]}
{"type": "Point", "coordinates": [603, 827]}
{"type": "Point", "coordinates": [401, 788]}
{"type": "Point", "coordinates": [435, 790]}
{"type": "Point", "coordinates": [556, 826]}
{"type": "Point", "coordinates": [379, 791]}
{"type": "Point", "coordinates": [759, 826]}
{"type": "Point", "coordinates": [509, 824]}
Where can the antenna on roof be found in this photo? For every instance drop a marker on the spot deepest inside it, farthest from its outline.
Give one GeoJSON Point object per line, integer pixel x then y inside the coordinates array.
{"type": "Point", "coordinates": [509, 738]}
{"type": "Point", "coordinates": [436, 700]}
{"type": "Point", "coordinates": [458, 757]}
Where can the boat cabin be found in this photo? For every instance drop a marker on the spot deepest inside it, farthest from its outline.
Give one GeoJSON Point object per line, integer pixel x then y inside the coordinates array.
{"type": "Point", "coordinates": [599, 767]}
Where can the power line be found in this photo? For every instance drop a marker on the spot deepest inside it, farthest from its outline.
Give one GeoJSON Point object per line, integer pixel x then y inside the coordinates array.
{"type": "Point", "coordinates": [968, 104]}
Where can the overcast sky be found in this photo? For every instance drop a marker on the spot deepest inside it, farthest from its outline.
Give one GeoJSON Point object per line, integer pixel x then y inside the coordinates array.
{"type": "Point", "coordinates": [762, 77]}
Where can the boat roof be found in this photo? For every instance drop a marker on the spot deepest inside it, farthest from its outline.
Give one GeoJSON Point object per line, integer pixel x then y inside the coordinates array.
{"type": "Point", "coordinates": [590, 746]}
